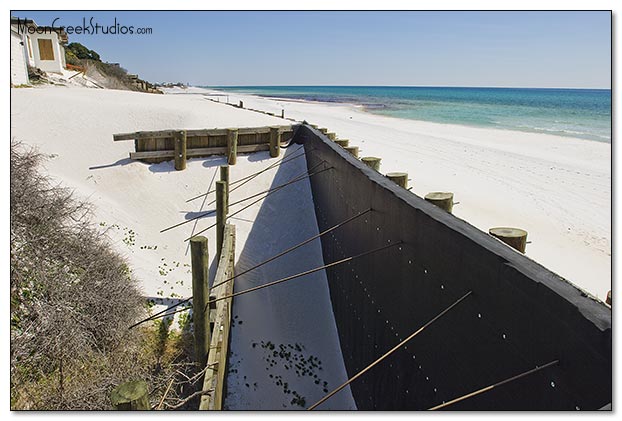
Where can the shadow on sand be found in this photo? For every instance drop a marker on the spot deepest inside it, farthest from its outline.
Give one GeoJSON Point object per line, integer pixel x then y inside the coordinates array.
{"type": "Point", "coordinates": [119, 163]}
{"type": "Point", "coordinates": [295, 313]}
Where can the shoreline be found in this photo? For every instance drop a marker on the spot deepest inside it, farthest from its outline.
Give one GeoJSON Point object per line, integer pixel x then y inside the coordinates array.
{"type": "Point", "coordinates": [558, 188]}
{"type": "Point", "coordinates": [426, 124]}
{"type": "Point", "coordinates": [362, 107]}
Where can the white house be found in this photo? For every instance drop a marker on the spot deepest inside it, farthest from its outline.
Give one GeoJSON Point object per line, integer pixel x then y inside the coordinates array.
{"type": "Point", "coordinates": [37, 46]}
{"type": "Point", "coordinates": [19, 72]}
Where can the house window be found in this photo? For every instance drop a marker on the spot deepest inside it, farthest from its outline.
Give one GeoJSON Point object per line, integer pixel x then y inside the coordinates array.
{"type": "Point", "coordinates": [45, 49]}
{"type": "Point", "coordinates": [29, 48]}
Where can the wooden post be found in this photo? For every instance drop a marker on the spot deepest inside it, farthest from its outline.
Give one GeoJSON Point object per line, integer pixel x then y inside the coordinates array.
{"type": "Point", "coordinates": [275, 141]}
{"type": "Point", "coordinates": [241, 104]}
{"type": "Point", "coordinates": [354, 150]}
{"type": "Point", "coordinates": [282, 113]}
{"type": "Point", "coordinates": [221, 214]}
{"type": "Point", "coordinates": [514, 237]}
{"type": "Point", "coordinates": [200, 295]}
{"type": "Point", "coordinates": [131, 396]}
{"type": "Point", "coordinates": [608, 300]}
{"type": "Point", "coordinates": [372, 162]}
{"type": "Point", "coordinates": [224, 176]}
{"type": "Point", "coordinates": [399, 178]}
{"type": "Point", "coordinates": [232, 146]}
{"type": "Point", "coordinates": [443, 200]}
{"type": "Point", "coordinates": [180, 150]}
{"type": "Point", "coordinates": [331, 136]}
{"type": "Point", "coordinates": [324, 130]}
{"type": "Point", "coordinates": [342, 142]}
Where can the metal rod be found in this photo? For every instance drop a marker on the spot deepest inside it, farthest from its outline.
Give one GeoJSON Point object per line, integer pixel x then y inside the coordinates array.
{"type": "Point", "coordinates": [262, 198]}
{"type": "Point", "coordinates": [388, 353]}
{"type": "Point", "coordinates": [252, 176]}
{"type": "Point", "coordinates": [492, 386]}
{"type": "Point", "coordinates": [213, 225]}
{"type": "Point", "coordinates": [160, 314]}
{"type": "Point", "coordinates": [294, 247]}
{"type": "Point", "coordinates": [273, 188]}
{"type": "Point", "coordinates": [201, 215]}
{"type": "Point", "coordinates": [307, 272]}
{"type": "Point", "coordinates": [298, 275]}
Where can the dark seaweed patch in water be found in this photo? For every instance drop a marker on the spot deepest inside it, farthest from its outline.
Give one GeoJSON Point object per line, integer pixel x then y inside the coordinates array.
{"type": "Point", "coordinates": [372, 106]}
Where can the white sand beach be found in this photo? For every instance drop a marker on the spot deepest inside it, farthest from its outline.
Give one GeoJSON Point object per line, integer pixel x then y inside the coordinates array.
{"type": "Point", "coordinates": [134, 201]}
{"type": "Point", "coordinates": [557, 188]}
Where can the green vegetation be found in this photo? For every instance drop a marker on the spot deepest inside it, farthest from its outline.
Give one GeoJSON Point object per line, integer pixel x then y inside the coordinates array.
{"type": "Point", "coordinates": [108, 75]}
{"type": "Point", "coordinates": [75, 50]}
{"type": "Point", "coordinates": [72, 299]}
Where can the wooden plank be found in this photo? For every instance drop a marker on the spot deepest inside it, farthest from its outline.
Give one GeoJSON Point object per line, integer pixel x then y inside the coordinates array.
{"type": "Point", "coordinates": [142, 135]}
{"type": "Point", "coordinates": [197, 152]}
{"type": "Point", "coordinates": [181, 148]}
{"type": "Point", "coordinates": [232, 146]}
{"type": "Point", "coordinates": [200, 293]}
{"type": "Point", "coordinates": [46, 51]}
{"type": "Point", "coordinates": [197, 132]}
{"type": "Point", "coordinates": [223, 356]}
{"type": "Point", "coordinates": [218, 352]}
{"type": "Point", "coordinates": [161, 144]}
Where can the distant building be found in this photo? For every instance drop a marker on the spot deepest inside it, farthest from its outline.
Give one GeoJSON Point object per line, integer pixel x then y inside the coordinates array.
{"type": "Point", "coordinates": [36, 46]}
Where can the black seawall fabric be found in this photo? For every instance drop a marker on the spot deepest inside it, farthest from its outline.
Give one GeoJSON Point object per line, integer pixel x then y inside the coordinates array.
{"type": "Point", "coordinates": [520, 315]}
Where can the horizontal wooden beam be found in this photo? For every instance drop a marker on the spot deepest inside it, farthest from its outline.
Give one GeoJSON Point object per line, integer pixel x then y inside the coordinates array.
{"type": "Point", "coordinates": [217, 150]}
{"type": "Point", "coordinates": [197, 132]}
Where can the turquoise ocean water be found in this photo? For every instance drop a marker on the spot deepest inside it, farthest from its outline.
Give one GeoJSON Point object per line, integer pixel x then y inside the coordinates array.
{"type": "Point", "coordinates": [581, 113]}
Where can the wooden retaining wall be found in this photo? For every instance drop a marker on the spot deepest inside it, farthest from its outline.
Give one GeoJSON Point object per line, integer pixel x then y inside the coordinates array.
{"type": "Point", "coordinates": [220, 314]}
{"type": "Point", "coordinates": [158, 146]}
{"type": "Point", "coordinates": [518, 316]}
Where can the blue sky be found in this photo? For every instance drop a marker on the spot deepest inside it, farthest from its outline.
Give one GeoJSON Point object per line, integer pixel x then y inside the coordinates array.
{"type": "Point", "coordinates": [514, 49]}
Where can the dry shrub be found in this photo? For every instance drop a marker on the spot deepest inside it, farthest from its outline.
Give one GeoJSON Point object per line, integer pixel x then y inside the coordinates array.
{"type": "Point", "coordinates": [72, 300]}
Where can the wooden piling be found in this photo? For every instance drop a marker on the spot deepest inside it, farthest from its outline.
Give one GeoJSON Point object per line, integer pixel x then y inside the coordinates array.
{"type": "Point", "coordinates": [324, 130]}
{"type": "Point", "coordinates": [131, 396]}
{"type": "Point", "coordinates": [342, 142]}
{"type": "Point", "coordinates": [372, 162]}
{"type": "Point", "coordinates": [200, 296]}
{"type": "Point", "coordinates": [275, 141]}
{"type": "Point", "coordinates": [514, 237]}
{"type": "Point", "coordinates": [232, 146]}
{"type": "Point", "coordinates": [180, 150]}
{"type": "Point", "coordinates": [241, 104]}
{"type": "Point", "coordinates": [354, 150]}
{"type": "Point", "coordinates": [399, 178]}
{"type": "Point", "coordinates": [444, 200]}
{"type": "Point", "coordinates": [221, 214]}
{"type": "Point", "coordinates": [331, 136]}
{"type": "Point", "coordinates": [224, 176]}
{"type": "Point", "coordinates": [282, 113]}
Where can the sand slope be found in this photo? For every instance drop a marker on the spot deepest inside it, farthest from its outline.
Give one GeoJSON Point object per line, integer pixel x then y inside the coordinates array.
{"type": "Point", "coordinates": [134, 201]}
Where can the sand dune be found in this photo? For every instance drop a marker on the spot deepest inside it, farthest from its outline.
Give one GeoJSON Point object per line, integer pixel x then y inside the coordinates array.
{"type": "Point", "coordinates": [134, 201]}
